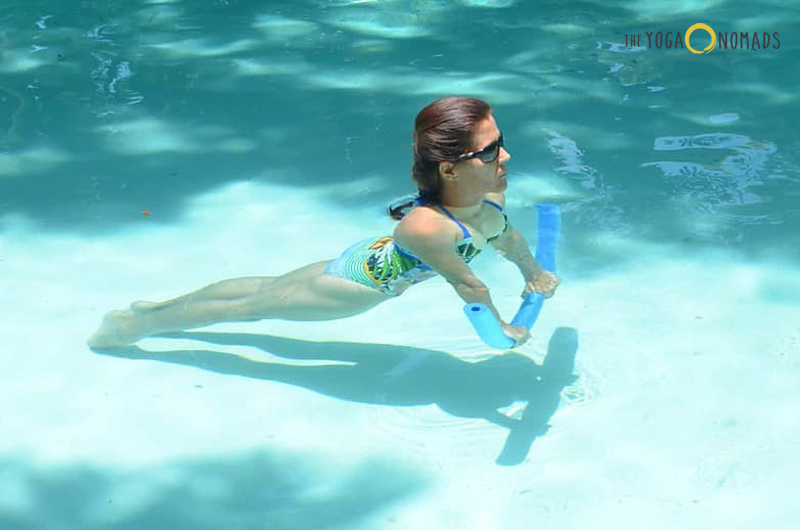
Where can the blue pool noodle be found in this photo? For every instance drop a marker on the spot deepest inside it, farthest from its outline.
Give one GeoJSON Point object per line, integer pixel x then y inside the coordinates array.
{"type": "Point", "coordinates": [484, 322]}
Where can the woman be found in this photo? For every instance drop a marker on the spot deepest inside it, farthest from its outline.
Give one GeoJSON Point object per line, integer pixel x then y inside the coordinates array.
{"type": "Point", "coordinates": [459, 169]}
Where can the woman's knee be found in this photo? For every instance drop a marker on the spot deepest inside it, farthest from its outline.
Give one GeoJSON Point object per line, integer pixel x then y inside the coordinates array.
{"type": "Point", "coordinates": [268, 302]}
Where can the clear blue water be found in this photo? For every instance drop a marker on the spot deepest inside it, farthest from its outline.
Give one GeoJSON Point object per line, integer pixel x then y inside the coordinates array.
{"type": "Point", "coordinates": [111, 109]}
{"type": "Point", "coordinates": [270, 86]}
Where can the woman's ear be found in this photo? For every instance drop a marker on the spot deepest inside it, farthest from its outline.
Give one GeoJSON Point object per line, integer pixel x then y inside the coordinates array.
{"type": "Point", "coordinates": [447, 170]}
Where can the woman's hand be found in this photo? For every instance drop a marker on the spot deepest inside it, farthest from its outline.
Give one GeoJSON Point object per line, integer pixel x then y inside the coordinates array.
{"type": "Point", "coordinates": [518, 334]}
{"type": "Point", "coordinates": [543, 282]}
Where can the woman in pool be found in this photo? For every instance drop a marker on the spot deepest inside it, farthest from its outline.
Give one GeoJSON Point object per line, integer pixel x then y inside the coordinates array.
{"type": "Point", "coordinates": [459, 169]}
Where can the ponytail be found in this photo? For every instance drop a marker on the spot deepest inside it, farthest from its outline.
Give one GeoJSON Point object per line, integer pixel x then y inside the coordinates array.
{"type": "Point", "coordinates": [399, 208]}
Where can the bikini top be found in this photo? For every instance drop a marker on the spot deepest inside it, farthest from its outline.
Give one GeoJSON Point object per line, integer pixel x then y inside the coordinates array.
{"type": "Point", "coordinates": [465, 248]}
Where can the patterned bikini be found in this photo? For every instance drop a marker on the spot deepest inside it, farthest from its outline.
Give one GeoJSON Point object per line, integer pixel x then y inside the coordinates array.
{"type": "Point", "coordinates": [382, 265]}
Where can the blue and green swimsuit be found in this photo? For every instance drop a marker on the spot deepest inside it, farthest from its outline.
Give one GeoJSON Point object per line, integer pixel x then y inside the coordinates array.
{"type": "Point", "coordinates": [380, 263]}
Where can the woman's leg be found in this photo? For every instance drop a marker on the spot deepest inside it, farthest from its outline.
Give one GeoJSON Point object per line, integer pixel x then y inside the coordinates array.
{"type": "Point", "coordinates": [303, 294]}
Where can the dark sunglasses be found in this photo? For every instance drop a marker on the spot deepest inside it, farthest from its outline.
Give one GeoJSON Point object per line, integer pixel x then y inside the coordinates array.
{"type": "Point", "coordinates": [487, 155]}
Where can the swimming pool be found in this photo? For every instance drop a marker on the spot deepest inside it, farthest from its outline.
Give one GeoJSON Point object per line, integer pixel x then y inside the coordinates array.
{"type": "Point", "coordinates": [149, 148]}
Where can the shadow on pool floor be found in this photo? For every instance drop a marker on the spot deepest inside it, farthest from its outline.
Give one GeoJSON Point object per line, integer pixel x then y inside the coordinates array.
{"type": "Point", "coordinates": [384, 374]}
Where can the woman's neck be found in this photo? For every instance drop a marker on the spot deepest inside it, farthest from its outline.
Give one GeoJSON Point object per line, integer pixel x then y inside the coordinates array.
{"type": "Point", "coordinates": [462, 206]}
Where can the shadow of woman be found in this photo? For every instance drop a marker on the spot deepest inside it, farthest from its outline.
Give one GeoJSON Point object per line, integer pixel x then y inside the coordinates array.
{"type": "Point", "coordinates": [385, 374]}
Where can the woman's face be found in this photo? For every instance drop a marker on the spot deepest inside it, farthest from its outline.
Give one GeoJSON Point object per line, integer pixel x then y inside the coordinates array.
{"type": "Point", "coordinates": [475, 176]}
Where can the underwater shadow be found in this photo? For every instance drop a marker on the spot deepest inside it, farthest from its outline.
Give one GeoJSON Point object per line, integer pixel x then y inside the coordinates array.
{"type": "Point", "coordinates": [277, 490]}
{"type": "Point", "coordinates": [383, 374]}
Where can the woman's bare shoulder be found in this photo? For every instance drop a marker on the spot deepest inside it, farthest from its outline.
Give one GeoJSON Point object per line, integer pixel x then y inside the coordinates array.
{"type": "Point", "coordinates": [422, 222]}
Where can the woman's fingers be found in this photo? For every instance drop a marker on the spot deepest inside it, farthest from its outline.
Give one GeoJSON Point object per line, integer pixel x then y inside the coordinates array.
{"type": "Point", "coordinates": [545, 284]}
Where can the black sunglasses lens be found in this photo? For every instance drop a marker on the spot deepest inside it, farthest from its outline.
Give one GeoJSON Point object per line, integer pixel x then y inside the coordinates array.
{"type": "Point", "coordinates": [490, 154]}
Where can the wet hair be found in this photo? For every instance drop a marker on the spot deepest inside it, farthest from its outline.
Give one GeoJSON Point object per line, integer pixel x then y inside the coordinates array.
{"type": "Point", "coordinates": [443, 130]}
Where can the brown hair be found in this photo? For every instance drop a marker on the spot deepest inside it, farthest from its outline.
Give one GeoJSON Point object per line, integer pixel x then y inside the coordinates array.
{"type": "Point", "coordinates": [443, 130]}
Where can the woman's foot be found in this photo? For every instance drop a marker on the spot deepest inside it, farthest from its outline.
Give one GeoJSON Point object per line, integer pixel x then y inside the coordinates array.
{"type": "Point", "coordinates": [118, 328]}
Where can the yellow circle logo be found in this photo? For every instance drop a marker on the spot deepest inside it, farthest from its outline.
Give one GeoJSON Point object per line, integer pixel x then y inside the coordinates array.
{"type": "Point", "coordinates": [710, 32]}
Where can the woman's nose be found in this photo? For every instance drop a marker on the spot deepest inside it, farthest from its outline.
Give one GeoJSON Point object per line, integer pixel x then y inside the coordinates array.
{"type": "Point", "coordinates": [505, 156]}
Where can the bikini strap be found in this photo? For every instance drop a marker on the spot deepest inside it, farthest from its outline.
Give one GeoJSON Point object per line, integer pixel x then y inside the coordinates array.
{"type": "Point", "coordinates": [492, 203]}
{"type": "Point", "coordinates": [467, 235]}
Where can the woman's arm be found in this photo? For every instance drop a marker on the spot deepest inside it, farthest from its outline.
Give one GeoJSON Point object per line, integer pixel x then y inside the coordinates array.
{"type": "Point", "coordinates": [434, 243]}
{"type": "Point", "coordinates": [512, 246]}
